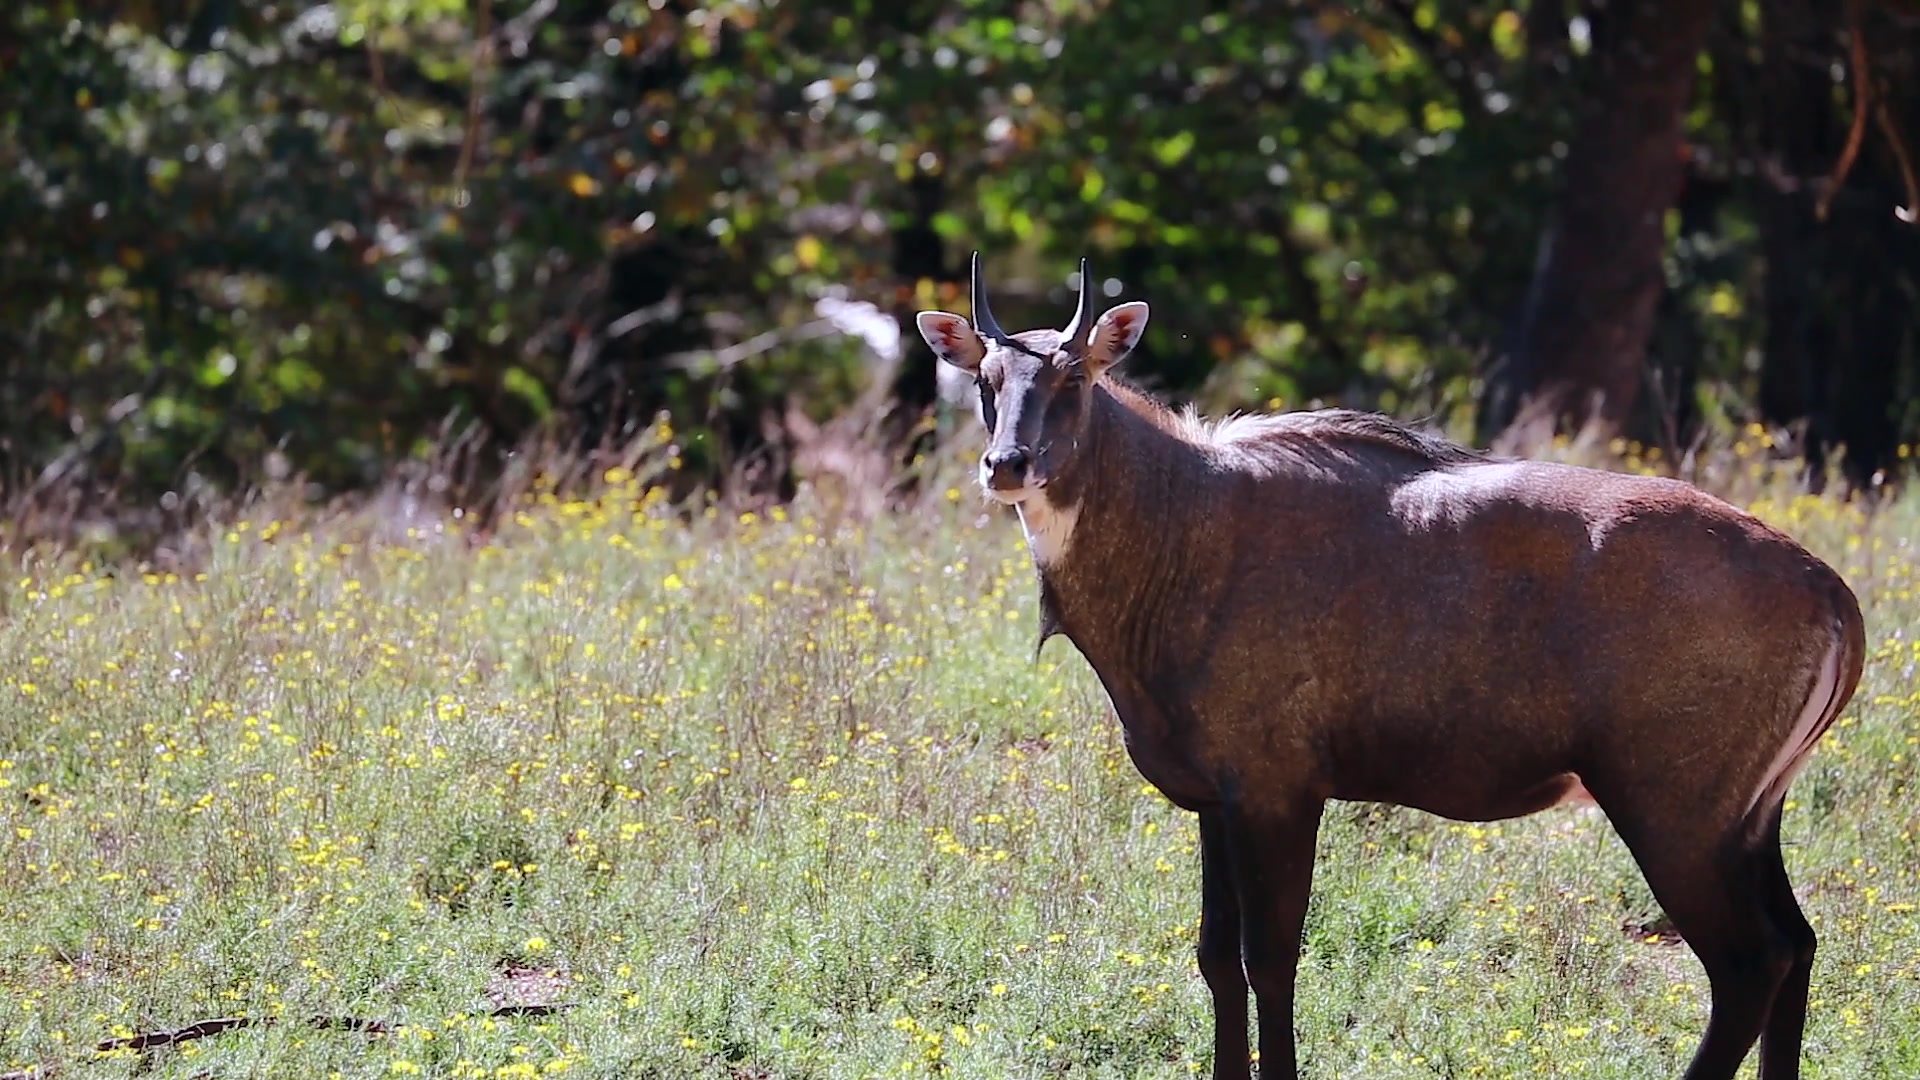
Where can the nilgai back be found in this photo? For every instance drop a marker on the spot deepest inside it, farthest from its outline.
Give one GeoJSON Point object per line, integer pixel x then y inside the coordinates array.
{"type": "Point", "coordinates": [1326, 605]}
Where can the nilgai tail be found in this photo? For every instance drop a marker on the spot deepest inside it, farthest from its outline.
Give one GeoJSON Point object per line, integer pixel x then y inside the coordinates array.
{"type": "Point", "coordinates": [1329, 605]}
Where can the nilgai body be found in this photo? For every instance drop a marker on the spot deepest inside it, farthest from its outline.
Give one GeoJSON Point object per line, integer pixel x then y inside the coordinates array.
{"type": "Point", "coordinates": [1329, 605]}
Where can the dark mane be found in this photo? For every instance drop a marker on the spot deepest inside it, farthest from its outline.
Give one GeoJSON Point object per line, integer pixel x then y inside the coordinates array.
{"type": "Point", "coordinates": [1339, 427]}
{"type": "Point", "coordinates": [1140, 401]}
{"type": "Point", "coordinates": [1386, 431]}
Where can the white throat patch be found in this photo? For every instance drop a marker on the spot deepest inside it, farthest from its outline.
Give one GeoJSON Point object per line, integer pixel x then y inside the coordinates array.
{"type": "Point", "coordinates": [1048, 528]}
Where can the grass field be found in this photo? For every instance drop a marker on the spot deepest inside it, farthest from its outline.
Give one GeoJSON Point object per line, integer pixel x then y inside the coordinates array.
{"type": "Point", "coordinates": [771, 795]}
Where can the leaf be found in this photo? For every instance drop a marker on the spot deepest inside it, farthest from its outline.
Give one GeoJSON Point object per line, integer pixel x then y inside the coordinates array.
{"type": "Point", "coordinates": [518, 382]}
{"type": "Point", "coordinates": [1174, 149]}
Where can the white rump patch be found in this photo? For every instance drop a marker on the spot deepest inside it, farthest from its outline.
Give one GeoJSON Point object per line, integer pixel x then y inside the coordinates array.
{"type": "Point", "coordinates": [1048, 528]}
{"type": "Point", "coordinates": [1815, 716]}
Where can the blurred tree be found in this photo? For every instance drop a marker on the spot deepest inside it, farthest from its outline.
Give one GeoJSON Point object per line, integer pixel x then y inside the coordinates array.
{"type": "Point", "coordinates": [1581, 343]}
{"type": "Point", "coordinates": [1841, 279]}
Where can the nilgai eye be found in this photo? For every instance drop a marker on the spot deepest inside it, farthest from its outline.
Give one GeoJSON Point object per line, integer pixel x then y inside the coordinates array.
{"type": "Point", "coordinates": [986, 402]}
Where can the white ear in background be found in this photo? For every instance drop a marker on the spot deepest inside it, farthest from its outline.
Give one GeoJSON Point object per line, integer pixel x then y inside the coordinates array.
{"type": "Point", "coordinates": [952, 339]}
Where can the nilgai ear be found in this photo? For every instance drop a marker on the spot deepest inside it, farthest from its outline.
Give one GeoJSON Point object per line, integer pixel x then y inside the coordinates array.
{"type": "Point", "coordinates": [1115, 335]}
{"type": "Point", "coordinates": [952, 339]}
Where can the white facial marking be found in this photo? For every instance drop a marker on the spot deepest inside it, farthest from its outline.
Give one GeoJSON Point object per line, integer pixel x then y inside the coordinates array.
{"type": "Point", "coordinates": [1049, 529]}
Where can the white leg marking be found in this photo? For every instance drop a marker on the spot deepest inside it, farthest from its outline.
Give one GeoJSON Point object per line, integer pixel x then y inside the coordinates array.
{"type": "Point", "coordinates": [1048, 528]}
{"type": "Point", "coordinates": [1814, 718]}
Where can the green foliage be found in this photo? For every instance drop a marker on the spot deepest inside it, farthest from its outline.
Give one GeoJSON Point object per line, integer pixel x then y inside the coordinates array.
{"type": "Point", "coordinates": [249, 239]}
{"type": "Point", "coordinates": [784, 794]}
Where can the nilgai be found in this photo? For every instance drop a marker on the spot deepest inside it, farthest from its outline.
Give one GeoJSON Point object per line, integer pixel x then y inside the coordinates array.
{"type": "Point", "coordinates": [1322, 605]}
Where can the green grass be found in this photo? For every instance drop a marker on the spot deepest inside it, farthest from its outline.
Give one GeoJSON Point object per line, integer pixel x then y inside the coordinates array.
{"type": "Point", "coordinates": [787, 797]}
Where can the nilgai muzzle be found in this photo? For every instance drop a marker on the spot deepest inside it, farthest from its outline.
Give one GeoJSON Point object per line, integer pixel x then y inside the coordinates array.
{"type": "Point", "coordinates": [1329, 605]}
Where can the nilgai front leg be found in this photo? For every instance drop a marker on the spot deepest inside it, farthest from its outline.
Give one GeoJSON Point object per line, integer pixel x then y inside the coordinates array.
{"type": "Point", "coordinates": [1273, 870]}
{"type": "Point", "coordinates": [1220, 959]}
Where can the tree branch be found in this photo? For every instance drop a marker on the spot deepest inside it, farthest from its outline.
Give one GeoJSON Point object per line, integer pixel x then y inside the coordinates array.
{"type": "Point", "coordinates": [470, 138]}
{"type": "Point", "coordinates": [202, 1029]}
{"type": "Point", "coordinates": [1903, 155]}
{"type": "Point", "coordinates": [1870, 103]}
{"type": "Point", "coordinates": [1863, 105]}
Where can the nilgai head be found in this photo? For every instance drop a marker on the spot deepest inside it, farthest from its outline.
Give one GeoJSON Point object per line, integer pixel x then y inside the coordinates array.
{"type": "Point", "coordinates": [1036, 385]}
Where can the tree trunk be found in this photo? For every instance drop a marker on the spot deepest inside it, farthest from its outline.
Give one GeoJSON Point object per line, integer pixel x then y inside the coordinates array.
{"type": "Point", "coordinates": [1870, 335]}
{"type": "Point", "coordinates": [1798, 136]}
{"type": "Point", "coordinates": [1580, 346]}
{"type": "Point", "coordinates": [1668, 415]}
{"type": "Point", "coordinates": [919, 253]}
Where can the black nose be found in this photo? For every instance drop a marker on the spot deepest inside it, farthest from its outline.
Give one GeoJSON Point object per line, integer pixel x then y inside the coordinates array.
{"type": "Point", "coordinates": [1006, 467]}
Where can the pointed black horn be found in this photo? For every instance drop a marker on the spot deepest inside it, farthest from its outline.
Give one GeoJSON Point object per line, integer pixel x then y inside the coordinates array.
{"type": "Point", "coordinates": [983, 321]}
{"type": "Point", "coordinates": [1081, 327]}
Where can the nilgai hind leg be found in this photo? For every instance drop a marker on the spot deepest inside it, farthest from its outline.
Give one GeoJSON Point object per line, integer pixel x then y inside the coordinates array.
{"type": "Point", "coordinates": [1725, 887]}
{"type": "Point", "coordinates": [1780, 1039]}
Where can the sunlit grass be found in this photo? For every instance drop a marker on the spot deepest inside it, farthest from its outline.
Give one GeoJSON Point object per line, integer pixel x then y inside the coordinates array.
{"type": "Point", "coordinates": [774, 793]}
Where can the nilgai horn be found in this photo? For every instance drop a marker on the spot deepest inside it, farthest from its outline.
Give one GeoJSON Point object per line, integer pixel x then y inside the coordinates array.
{"type": "Point", "coordinates": [1329, 605]}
